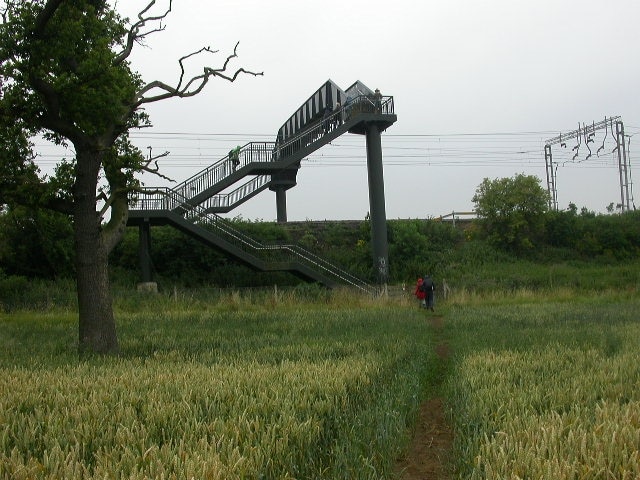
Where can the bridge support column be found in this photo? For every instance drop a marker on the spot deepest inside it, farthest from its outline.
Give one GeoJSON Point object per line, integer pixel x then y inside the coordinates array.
{"type": "Point", "coordinates": [144, 251]}
{"type": "Point", "coordinates": [280, 183]}
{"type": "Point", "coordinates": [377, 204]}
{"type": "Point", "coordinates": [281, 204]}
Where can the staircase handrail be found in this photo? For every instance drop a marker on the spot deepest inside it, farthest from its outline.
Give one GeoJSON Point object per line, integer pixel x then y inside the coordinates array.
{"type": "Point", "coordinates": [224, 200]}
{"type": "Point", "coordinates": [308, 136]}
{"type": "Point", "coordinates": [167, 199]}
{"type": "Point", "coordinates": [252, 152]}
{"type": "Point", "coordinates": [358, 105]}
{"type": "Point", "coordinates": [259, 152]}
{"type": "Point", "coordinates": [249, 153]}
{"type": "Point", "coordinates": [300, 252]}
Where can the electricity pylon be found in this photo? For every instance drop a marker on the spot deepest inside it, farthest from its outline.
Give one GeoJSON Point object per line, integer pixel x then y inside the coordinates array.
{"type": "Point", "coordinates": [584, 135]}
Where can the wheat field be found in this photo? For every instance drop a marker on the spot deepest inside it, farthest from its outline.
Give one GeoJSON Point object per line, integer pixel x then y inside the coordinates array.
{"type": "Point", "coordinates": [548, 390]}
{"type": "Point", "coordinates": [254, 393]}
{"type": "Point", "coordinates": [247, 388]}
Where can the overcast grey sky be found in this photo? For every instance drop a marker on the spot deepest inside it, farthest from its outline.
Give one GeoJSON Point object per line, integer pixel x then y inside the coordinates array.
{"type": "Point", "coordinates": [478, 87]}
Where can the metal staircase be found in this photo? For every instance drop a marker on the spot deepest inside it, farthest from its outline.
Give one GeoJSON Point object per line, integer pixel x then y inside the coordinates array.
{"type": "Point", "coordinates": [166, 207]}
{"type": "Point", "coordinates": [191, 206]}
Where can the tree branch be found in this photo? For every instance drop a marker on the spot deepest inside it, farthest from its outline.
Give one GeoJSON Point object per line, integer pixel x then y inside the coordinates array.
{"type": "Point", "coordinates": [195, 84]}
{"type": "Point", "coordinates": [45, 15]}
{"type": "Point", "coordinates": [155, 168]}
{"type": "Point", "coordinates": [134, 34]}
{"type": "Point", "coordinates": [51, 119]}
{"type": "Point", "coordinates": [114, 229]}
{"type": "Point", "coordinates": [108, 201]}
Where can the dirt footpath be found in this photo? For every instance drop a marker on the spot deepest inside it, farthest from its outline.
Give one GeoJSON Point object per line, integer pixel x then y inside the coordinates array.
{"type": "Point", "coordinates": [429, 455]}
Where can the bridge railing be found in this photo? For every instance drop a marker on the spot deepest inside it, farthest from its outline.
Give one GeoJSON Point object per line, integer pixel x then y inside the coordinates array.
{"type": "Point", "coordinates": [369, 104]}
{"type": "Point", "coordinates": [296, 253]}
{"type": "Point", "coordinates": [227, 200]}
{"type": "Point", "coordinates": [269, 151]}
{"type": "Point", "coordinates": [210, 176]}
{"type": "Point", "coordinates": [358, 105]}
{"type": "Point", "coordinates": [257, 152]}
{"type": "Point", "coordinates": [170, 200]}
{"type": "Point", "coordinates": [311, 134]}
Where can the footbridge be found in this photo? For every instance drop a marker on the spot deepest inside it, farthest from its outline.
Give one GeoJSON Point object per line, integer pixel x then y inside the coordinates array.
{"type": "Point", "coordinates": [194, 205]}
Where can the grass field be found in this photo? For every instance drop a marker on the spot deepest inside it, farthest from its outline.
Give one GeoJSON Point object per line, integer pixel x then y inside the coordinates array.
{"type": "Point", "coordinates": [232, 391]}
{"type": "Point", "coordinates": [267, 387]}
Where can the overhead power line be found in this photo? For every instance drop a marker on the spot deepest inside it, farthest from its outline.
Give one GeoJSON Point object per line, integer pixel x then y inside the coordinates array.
{"type": "Point", "coordinates": [495, 149]}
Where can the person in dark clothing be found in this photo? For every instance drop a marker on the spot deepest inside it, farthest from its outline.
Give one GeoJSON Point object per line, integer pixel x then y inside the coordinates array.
{"type": "Point", "coordinates": [377, 101]}
{"type": "Point", "coordinates": [429, 287]}
{"type": "Point", "coordinates": [337, 115]}
{"type": "Point", "coordinates": [234, 156]}
{"type": "Point", "coordinates": [325, 119]}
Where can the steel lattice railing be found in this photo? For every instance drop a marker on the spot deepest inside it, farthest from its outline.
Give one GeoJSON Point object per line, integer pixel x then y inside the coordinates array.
{"type": "Point", "coordinates": [166, 199]}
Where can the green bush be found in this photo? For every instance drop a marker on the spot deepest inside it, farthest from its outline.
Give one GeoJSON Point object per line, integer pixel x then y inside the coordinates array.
{"type": "Point", "coordinates": [416, 247]}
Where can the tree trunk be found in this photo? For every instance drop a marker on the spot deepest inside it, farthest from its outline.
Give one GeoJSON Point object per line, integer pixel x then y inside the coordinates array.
{"type": "Point", "coordinates": [97, 328]}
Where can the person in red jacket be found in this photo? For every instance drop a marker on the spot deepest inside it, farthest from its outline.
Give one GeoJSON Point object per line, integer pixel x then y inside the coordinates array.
{"type": "Point", "coordinates": [420, 293]}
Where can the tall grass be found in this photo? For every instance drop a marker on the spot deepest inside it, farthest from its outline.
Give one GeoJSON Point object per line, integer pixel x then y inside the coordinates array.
{"type": "Point", "coordinates": [516, 275]}
{"type": "Point", "coordinates": [482, 271]}
{"type": "Point", "coordinates": [547, 388]}
{"type": "Point", "coordinates": [287, 391]}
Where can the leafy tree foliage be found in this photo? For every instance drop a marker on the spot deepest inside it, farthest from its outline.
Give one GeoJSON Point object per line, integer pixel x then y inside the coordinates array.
{"type": "Point", "coordinates": [36, 243]}
{"type": "Point", "coordinates": [511, 211]}
{"type": "Point", "coordinates": [65, 75]}
{"type": "Point", "coordinates": [592, 236]}
{"type": "Point", "coordinates": [418, 247]}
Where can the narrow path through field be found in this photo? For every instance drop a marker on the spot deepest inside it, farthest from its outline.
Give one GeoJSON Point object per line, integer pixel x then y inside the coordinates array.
{"type": "Point", "coordinates": [428, 457]}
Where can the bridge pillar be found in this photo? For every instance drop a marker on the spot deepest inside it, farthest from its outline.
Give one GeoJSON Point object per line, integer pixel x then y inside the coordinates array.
{"type": "Point", "coordinates": [281, 204]}
{"type": "Point", "coordinates": [144, 251]}
{"type": "Point", "coordinates": [280, 183]}
{"type": "Point", "coordinates": [377, 204]}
